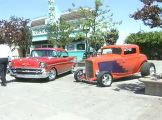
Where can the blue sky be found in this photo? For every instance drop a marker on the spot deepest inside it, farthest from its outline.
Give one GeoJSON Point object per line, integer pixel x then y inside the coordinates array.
{"type": "Point", "coordinates": [36, 8]}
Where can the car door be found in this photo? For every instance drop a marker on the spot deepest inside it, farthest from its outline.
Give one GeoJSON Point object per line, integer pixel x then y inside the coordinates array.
{"type": "Point", "coordinates": [130, 60]}
{"type": "Point", "coordinates": [65, 57]}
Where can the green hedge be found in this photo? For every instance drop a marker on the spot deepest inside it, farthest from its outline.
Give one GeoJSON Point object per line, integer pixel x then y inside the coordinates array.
{"type": "Point", "coordinates": [150, 43]}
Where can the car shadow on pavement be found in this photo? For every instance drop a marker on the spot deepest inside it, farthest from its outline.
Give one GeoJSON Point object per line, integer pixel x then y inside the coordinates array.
{"type": "Point", "coordinates": [135, 87]}
{"type": "Point", "coordinates": [87, 82]}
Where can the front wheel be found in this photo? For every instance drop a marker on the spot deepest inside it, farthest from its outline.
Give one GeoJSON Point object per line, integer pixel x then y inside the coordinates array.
{"type": "Point", "coordinates": [78, 75]}
{"type": "Point", "coordinates": [147, 68]}
{"type": "Point", "coordinates": [52, 74]}
{"type": "Point", "coordinates": [104, 79]}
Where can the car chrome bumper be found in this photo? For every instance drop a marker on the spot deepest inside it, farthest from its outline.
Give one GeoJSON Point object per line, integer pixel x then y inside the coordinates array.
{"type": "Point", "coordinates": [42, 75]}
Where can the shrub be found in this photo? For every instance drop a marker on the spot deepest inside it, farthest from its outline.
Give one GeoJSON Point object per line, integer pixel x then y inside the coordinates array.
{"type": "Point", "coordinates": [150, 43]}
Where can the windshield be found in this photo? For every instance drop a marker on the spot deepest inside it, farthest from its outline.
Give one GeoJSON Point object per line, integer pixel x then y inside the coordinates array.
{"type": "Point", "coordinates": [111, 51]}
{"type": "Point", "coordinates": [42, 53]}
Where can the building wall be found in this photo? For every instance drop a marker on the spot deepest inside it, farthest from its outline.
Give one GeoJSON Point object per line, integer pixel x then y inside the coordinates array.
{"type": "Point", "coordinates": [40, 37]}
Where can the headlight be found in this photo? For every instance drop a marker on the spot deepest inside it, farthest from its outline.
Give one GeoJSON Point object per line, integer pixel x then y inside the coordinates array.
{"type": "Point", "coordinates": [42, 65]}
{"type": "Point", "coordinates": [97, 72]}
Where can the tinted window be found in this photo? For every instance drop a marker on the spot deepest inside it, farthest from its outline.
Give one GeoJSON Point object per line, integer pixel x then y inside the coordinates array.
{"type": "Point", "coordinates": [129, 51]}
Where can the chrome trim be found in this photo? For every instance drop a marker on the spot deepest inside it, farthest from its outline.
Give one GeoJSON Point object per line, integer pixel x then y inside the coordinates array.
{"type": "Point", "coordinates": [58, 63]}
{"type": "Point", "coordinates": [42, 75]}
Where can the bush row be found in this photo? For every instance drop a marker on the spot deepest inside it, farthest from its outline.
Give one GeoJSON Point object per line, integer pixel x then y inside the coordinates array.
{"type": "Point", "coordinates": [150, 43]}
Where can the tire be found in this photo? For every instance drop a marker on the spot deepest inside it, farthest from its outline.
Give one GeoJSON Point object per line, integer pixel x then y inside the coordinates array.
{"type": "Point", "coordinates": [78, 74]}
{"type": "Point", "coordinates": [104, 79]}
{"type": "Point", "coordinates": [147, 68]}
{"type": "Point", "coordinates": [52, 74]}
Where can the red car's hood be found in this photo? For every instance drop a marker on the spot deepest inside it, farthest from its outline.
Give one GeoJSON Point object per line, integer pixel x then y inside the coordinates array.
{"type": "Point", "coordinates": [29, 62]}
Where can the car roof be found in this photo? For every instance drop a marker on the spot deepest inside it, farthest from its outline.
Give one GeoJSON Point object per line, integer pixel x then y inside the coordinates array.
{"type": "Point", "coordinates": [48, 49]}
{"type": "Point", "coordinates": [121, 46]}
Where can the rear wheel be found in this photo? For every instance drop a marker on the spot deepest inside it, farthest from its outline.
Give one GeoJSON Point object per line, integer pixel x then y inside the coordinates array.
{"type": "Point", "coordinates": [104, 79]}
{"type": "Point", "coordinates": [78, 75]}
{"type": "Point", "coordinates": [52, 74]}
{"type": "Point", "coordinates": [147, 68]}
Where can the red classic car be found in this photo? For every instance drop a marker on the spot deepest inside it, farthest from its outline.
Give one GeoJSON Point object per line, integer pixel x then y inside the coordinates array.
{"type": "Point", "coordinates": [43, 63]}
{"type": "Point", "coordinates": [115, 61]}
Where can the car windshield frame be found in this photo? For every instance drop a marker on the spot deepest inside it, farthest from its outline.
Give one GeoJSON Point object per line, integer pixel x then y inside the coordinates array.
{"type": "Point", "coordinates": [44, 53]}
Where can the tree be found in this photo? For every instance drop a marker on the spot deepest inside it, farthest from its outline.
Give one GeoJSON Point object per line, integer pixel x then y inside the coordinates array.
{"type": "Point", "coordinates": [96, 23]}
{"type": "Point", "coordinates": [26, 39]}
{"type": "Point", "coordinates": [112, 36]}
{"type": "Point", "coordinates": [150, 14]}
{"type": "Point", "coordinates": [10, 30]}
{"type": "Point", "coordinates": [59, 33]}
{"type": "Point", "coordinates": [16, 32]}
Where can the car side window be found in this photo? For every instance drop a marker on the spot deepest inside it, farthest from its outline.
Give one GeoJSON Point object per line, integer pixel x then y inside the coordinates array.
{"type": "Point", "coordinates": [64, 54]}
{"type": "Point", "coordinates": [128, 51]}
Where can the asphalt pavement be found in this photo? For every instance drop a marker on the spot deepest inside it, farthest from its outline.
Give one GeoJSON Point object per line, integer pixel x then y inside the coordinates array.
{"type": "Point", "coordinates": [65, 99]}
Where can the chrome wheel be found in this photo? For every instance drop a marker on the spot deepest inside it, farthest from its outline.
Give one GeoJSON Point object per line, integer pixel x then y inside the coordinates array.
{"type": "Point", "coordinates": [78, 75]}
{"type": "Point", "coordinates": [106, 79]}
{"type": "Point", "coordinates": [147, 68]}
{"type": "Point", "coordinates": [152, 70]}
{"type": "Point", "coordinates": [52, 74]}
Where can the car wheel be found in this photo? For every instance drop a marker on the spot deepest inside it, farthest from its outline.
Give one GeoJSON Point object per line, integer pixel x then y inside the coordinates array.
{"type": "Point", "coordinates": [52, 74]}
{"type": "Point", "coordinates": [147, 68]}
{"type": "Point", "coordinates": [104, 79]}
{"type": "Point", "coordinates": [78, 75]}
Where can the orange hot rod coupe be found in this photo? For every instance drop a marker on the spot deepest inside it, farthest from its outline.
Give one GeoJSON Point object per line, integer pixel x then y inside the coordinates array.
{"type": "Point", "coordinates": [115, 61]}
{"type": "Point", "coordinates": [43, 63]}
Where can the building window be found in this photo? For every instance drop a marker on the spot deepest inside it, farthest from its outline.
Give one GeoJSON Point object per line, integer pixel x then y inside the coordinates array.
{"type": "Point", "coordinates": [38, 46]}
{"type": "Point", "coordinates": [81, 46]}
{"type": "Point", "coordinates": [50, 46]}
{"type": "Point", "coordinates": [70, 47]}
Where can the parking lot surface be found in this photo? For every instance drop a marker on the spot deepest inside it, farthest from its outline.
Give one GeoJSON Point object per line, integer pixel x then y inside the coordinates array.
{"type": "Point", "coordinates": [65, 99]}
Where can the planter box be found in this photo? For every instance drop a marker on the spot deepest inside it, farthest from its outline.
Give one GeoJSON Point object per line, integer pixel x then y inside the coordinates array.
{"type": "Point", "coordinates": [152, 87]}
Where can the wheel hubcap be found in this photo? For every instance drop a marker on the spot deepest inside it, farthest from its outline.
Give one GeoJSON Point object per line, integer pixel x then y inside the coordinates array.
{"type": "Point", "coordinates": [80, 74]}
{"type": "Point", "coordinates": [106, 79]}
{"type": "Point", "coordinates": [152, 70]}
{"type": "Point", "coordinates": [52, 74]}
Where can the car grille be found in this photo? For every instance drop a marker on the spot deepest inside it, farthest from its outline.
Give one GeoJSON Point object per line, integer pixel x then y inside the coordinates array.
{"type": "Point", "coordinates": [26, 70]}
{"type": "Point", "coordinates": [89, 69]}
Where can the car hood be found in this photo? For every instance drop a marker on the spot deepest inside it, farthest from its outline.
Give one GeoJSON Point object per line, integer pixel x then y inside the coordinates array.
{"type": "Point", "coordinates": [29, 62]}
